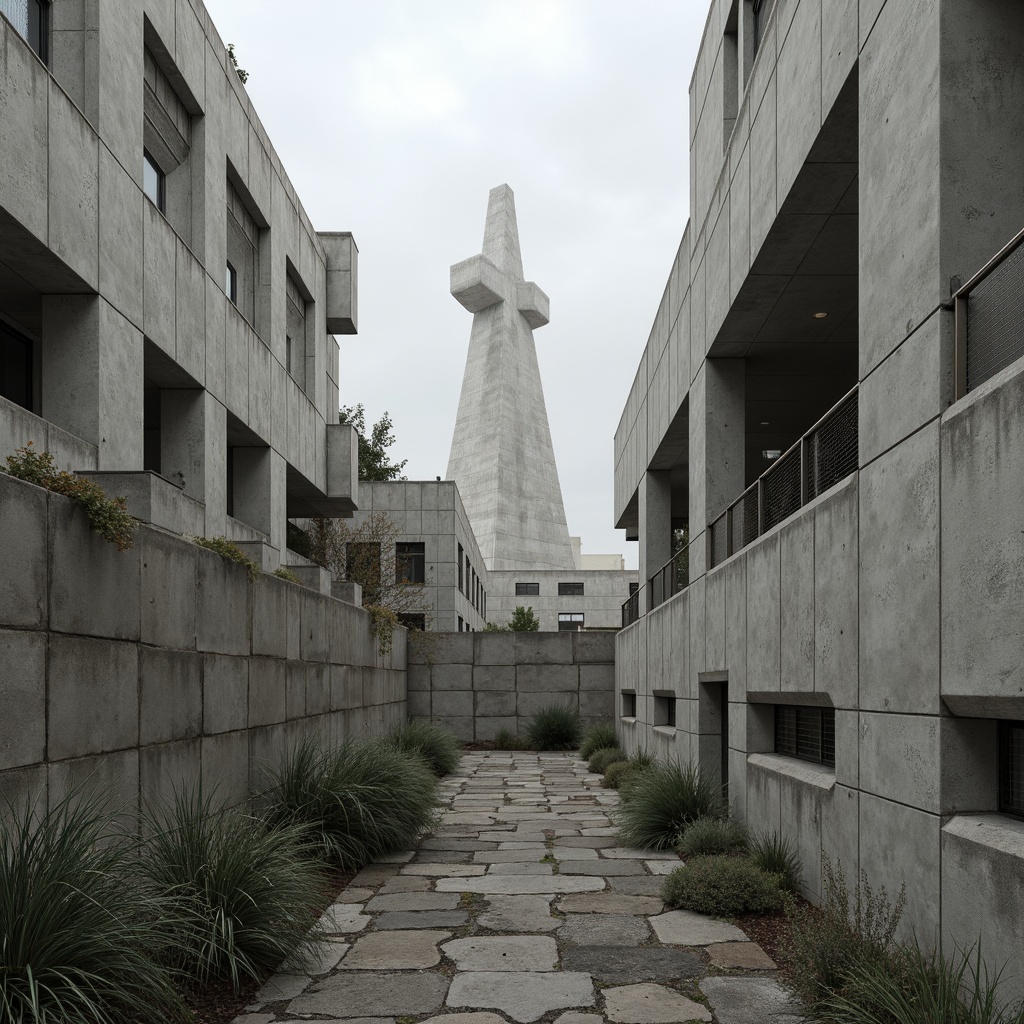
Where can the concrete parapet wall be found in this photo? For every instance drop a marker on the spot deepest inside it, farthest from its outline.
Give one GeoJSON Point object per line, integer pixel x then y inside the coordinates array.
{"type": "Point", "coordinates": [481, 683]}
{"type": "Point", "coordinates": [134, 672]}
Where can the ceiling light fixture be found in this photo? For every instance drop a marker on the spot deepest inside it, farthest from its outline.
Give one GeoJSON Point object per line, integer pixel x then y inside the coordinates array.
{"type": "Point", "coordinates": [820, 316]}
{"type": "Point", "coordinates": [771, 453]}
{"type": "Point", "coordinates": [764, 423]}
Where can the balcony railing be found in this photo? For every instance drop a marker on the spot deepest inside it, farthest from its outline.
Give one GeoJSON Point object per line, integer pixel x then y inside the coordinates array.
{"type": "Point", "coordinates": [989, 315]}
{"type": "Point", "coordinates": [672, 577]}
{"type": "Point", "coordinates": [631, 609]}
{"type": "Point", "coordinates": [821, 458]}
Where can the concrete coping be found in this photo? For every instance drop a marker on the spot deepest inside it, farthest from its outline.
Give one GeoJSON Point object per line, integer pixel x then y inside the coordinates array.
{"type": "Point", "coordinates": [993, 831]}
{"type": "Point", "coordinates": [793, 768]}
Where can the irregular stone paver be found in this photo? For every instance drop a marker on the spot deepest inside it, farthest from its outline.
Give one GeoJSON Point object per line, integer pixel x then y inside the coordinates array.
{"type": "Point", "coordinates": [747, 956]}
{"type": "Point", "coordinates": [619, 965]}
{"type": "Point", "coordinates": [604, 930]}
{"type": "Point", "coordinates": [353, 895]}
{"type": "Point", "coordinates": [466, 1018]}
{"type": "Point", "coordinates": [395, 951]}
{"type": "Point", "coordinates": [327, 956]}
{"type": "Point", "coordinates": [278, 987]}
{"type": "Point", "coordinates": [605, 868]}
{"type": "Point", "coordinates": [609, 903]}
{"type": "Point", "coordinates": [522, 996]}
{"type": "Point", "coordinates": [404, 883]}
{"type": "Point", "coordinates": [416, 901]}
{"type": "Point", "coordinates": [519, 914]}
{"type": "Point", "coordinates": [366, 994]}
{"type": "Point", "coordinates": [663, 867]}
{"type": "Point", "coordinates": [651, 1004]}
{"type": "Point", "coordinates": [433, 870]}
{"type": "Point", "coordinates": [521, 869]}
{"type": "Point", "coordinates": [503, 953]}
{"type": "Point", "coordinates": [573, 853]}
{"type": "Point", "coordinates": [628, 853]}
{"type": "Point", "coordinates": [522, 885]}
{"type": "Point", "coordinates": [575, 1017]}
{"type": "Point", "coordinates": [684, 928]}
{"type": "Point", "coordinates": [399, 919]}
{"type": "Point", "coordinates": [509, 856]}
{"type": "Point", "coordinates": [750, 1001]}
{"type": "Point", "coordinates": [344, 918]}
{"type": "Point", "coordinates": [637, 885]}
{"type": "Point", "coordinates": [375, 874]}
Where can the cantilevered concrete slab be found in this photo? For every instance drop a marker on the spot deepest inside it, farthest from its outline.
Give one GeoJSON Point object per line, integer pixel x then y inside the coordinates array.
{"type": "Point", "coordinates": [501, 455]}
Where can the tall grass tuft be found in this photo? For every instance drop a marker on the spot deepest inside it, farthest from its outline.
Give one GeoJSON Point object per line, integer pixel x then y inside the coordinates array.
{"type": "Point", "coordinates": [556, 727]}
{"type": "Point", "coordinates": [438, 745]}
{"type": "Point", "coordinates": [708, 837]}
{"type": "Point", "coordinates": [506, 739]}
{"type": "Point", "coordinates": [80, 942]}
{"type": "Point", "coordinates": [360, 799]}
{"type": "Point", "coordinates": [597, 737]}
{"type": "Point", "coordinates": [775, 854]}
{"type": "Point", "coordinates": [663, 800]}
{"type": "Point", "coordinates": [243, 895]}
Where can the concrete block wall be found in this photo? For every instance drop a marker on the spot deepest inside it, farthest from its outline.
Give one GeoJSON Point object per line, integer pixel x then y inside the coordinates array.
{"type": "Point", "coordinates": [481, 683]}
{"type": "Point", "coordinates": [134, 672]}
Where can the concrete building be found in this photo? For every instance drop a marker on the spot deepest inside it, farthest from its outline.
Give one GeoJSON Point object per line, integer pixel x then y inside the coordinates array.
{"type": "Point", "coordinates": [166, 306]}
{"type": "Point", "coordinates": [833, 402]}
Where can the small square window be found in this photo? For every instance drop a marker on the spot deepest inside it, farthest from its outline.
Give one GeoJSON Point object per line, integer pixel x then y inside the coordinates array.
{"type": "Point", "coordinates": [570, 621]}
{"type": "Point", "coordinates": [665, 709]}
{"type": "Point", "coordinates": [629, 705]}
{"type": "Point", "coordinates": [570, 589]}
{"type": "Point", "coordinates": [527, 589]}
{"type": "Point", "coordinates": [410, 563]}
{"type": "Point", "coordinates": [807, 733]}
{"type": "Point", "coordinates": [231, 284]}
{"type": "Point", "coordinates": [154, 182]}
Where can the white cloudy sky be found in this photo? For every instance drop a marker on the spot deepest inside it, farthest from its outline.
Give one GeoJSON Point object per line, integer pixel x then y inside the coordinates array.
{"type": "Point", "coordinates": [395, 118]}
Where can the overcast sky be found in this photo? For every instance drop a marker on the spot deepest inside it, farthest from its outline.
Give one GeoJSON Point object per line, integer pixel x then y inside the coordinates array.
{"type": "Point", "coordinates": [394, 119]}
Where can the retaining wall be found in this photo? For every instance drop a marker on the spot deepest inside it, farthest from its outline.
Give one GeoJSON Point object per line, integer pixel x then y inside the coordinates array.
{"type": "Point", "coordinates": [480, 683]}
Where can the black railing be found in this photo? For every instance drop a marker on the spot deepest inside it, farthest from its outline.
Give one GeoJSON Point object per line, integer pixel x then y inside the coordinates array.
{"type": "Point", "coordinates": [631, 609]}
{"type": "Point", "coordinates": [826, 454]}
{"type": "Point", "coordinates": [672, 577]}
{"type": "Point", "coordinates": [989, 314]}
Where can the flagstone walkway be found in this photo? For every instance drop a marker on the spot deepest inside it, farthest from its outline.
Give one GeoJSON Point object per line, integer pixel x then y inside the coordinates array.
{"type": "Point", "coordinates": [523, 906]}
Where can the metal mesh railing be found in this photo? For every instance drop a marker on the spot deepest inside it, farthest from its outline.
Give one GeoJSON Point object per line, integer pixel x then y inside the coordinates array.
{"type": "Point", "coordinates": [744, 519]}
{"type": "Point", "coordinates": [672, 577]}
{"type": "Point", "coordinates": [995, 320]}
{"type": "Point", "coordinates": [832, 449]}
{"type": "Point", "coordinates": [781, 488]}
{"type": "Point", "coordinates": [719, 539]}
{"type": "Point", "coordinates": [631, 609]}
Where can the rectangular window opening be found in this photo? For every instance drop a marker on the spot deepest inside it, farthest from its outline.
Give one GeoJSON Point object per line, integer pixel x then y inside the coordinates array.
{"type": "Point", "coordinates": [570, 621]}
{"type": "Point", "coordinates": [30, 19]}
{"type": "Point", "coordinates": [460, 569]}
{"type": "Point", "coordinates": [570, 589]}
{"type": "Point", "coordinates": [807, 733]}
{"type": "Point", "coordinates": [665, 709]}
{"type": "Point", "coordinates": [527, 589]}
{"type": "Point", "coordinates": [1011, 768]}
{"type": "Point", "coordinates": [628, 705]}
{"type": "Point", "coordinates": [154, 182]}
{"type": "Point", "coordinates": [410, 562]}
{"type": "Point", "coordinates": [16, 384]}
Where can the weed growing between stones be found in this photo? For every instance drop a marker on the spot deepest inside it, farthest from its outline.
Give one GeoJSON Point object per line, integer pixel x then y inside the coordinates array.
{"type": "Point", "coordinates": [228, 550]}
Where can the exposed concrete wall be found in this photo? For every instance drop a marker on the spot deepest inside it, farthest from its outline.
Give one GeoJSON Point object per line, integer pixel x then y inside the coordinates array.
{"type": "Point", "coordinates": [604, 591]}
{"type": "Point", "coordinates": [481, 683]}
{"type": "Point", "coordinates": [136, 671]}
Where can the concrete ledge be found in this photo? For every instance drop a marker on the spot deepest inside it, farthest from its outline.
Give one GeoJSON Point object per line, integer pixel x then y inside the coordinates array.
{"type": "Point", "coordinates": [153, 499]}
{"type": "Point", "coordinates": [993, 831]}
{"type": "Point", "coordinates": [791, 767]}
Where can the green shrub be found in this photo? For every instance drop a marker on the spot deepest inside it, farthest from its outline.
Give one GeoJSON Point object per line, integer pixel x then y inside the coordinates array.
{"type": "Point", "coordinates": [712, 836]}
{"type": "Point", "coordinates": [360, 799]}
{"type": "Point", "coordinates": [596, 738]}
{"type": "Point", "coordinates": [618, 773]}
{"type": "Point", "coordinates": [282, 572]}
{"type": "Point", "coordinates": [506, 739]}
{"type": "Point", "coordinates": [556, 727]}
{"type": "Point", "coordinates": [438, 745]}
{"type": "Point", "coordinates": [775, 854]}
{"type": "Point", "coordinates": [723, 886]}
{"type": "Point", "coordinates": [80, 942]}
{"type": "Point", "coordinates": [243, 894]}
{"type": "Point", "coordinates": [663, 800]}
{"type": "Point", "coordinates": [109, 517]}
{"type": "Point", "coordinates": [228, 550]}
{"type": "Point", "coordinates": [601, 759]}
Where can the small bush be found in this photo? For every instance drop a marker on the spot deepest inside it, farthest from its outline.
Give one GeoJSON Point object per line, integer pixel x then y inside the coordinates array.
{"type": "Point", "coordinates": [618, 773]}
{"type": "Point", "coordinates": [708, 837]}
{"type": "Point", "coordinates": [359, 800]}
{"type": "Point", "coordinates": [601, 759]}
{"type": "Point", "coordinates": [723, 886]}
{"type": "Point", "coordinates": [773, 853]}
{"type": "Point", "coordinates": [506, 739]}
{"type": "Point", "coordinates": [663, 800]}
{"type": "Point", "coordinates": [229, 550]}
{"type": "Point", "coordinates": [80, 943]}
{"type": "Point", "coordinates": [284, 573]}
{"type": "Point", "coordinates": [243, 894]}
{"type": "Point", "coordinates": [109, 517]}
{"type": "Point", "coordinates": [438, 745]}
{"type": "Point", "coordinates": [556, 727]}
{"type": "Point", "coordinates": [596, 738]}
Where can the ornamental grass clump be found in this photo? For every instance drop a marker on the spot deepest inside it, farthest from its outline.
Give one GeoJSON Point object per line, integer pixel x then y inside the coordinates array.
{"type": "Point", "coordinates": [663, 801]}
{"type": "Point", "coordinates": [242, 894]}
{"type": "Point", "coordinates": [359, 800]}
{"type": "Point", "coordinates": [80, 941]}
{"type": "Point", "coordinates": [618, 773]}
{"type": "Point", "coordinates": [724, 886]}
{"type": "Point", "coordinates": [601, 759]}
{"type": "Point", "coordinates": [708, 837]}
{"type": "Point", "coordinates": [775, 854]}
{"type": "Point", "coordinates": [438, 745]}
{"type": "Point", "coordinates": [556, 727]}
{"type": "Point", "coordinates": [596, 738]}
{"type": "Point", "coordinates": [506, 739]}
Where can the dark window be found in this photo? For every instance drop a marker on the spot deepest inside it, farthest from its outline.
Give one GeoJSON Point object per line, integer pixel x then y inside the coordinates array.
{"type": "Point", "coordinates": [665, 709]}
{"type": "Point", "coordinates": [410, 563]}
{"type": "Point", "coordinates": [570, 621]}
{"type": "Point", "coordinates": [527, 589]}
{"type": "Point", "coordinates": [1011, 768]}
{"type": "Point", "coordinates": [231, 283]}
{"type": "Point", "coordinates": [806, 733]}
{"type": "Point", "coordinates": [629, 705]}
{"type": "Point", "coordinates": [460, 623]}
{"type": "Point", "coordinates": [243, 236]}
{"type": "Point", "coordinates": [230, 509]}
{"type": "Point", "coordinates": [570, 589]}
{"type": "Point", "coordinates": [413, 620]}
{"type": "Point", "coordinates": [29, 18]}
{"type": "Point", "coordinates": [154, 182]}
{"type": "Point", "coordinates": [15, 367]}
{"type": "Point", "coordinates": [460, 569]}
{"type": "Point", "coordinates": [362, 566]}
{"type": "Point", "coordinates": [295, 338]}
{"type": "Point", "coordinates": [633, 588]}
{"type": "Point", "coordinates": [762, 12]}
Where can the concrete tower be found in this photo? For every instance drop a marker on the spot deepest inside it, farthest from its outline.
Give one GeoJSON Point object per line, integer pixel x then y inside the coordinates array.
{"type": "Point", "coordinates": [501, 456]}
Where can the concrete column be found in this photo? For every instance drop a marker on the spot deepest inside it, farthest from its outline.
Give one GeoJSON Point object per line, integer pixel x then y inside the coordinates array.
{"type": "Point", "coordinates": [655, 510]}
{"type": "Point", "coordinates": [183, 439]}
{"type": "Point", "coordinates": [253, 487]}
{"type": "Point", "coordinates": [215, 456]}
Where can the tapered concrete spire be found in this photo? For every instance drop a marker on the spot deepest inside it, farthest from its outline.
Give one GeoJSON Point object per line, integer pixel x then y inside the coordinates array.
{"type": "Point", "coordinates": [501, 456]}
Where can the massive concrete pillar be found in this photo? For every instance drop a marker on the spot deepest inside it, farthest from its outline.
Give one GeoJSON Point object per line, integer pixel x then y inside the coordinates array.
{"type": "Point", "coordinates": [655, 514]}
{"type": "Point", "coordinates": [501, 456]}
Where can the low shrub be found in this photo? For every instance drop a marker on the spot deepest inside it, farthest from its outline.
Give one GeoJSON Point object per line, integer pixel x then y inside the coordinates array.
{"type": "Point", "coordinates": [601, 759]}
{"type": "Point", "coordinates": [708, 837]}
{"type": "Point", "coordinates": [282, 572]}
{"type": "Point", "coordinates": [438, 745]}
{"type": "Point", "coordinates": [80, 942]}
{"type": "Point", "coordinates": [242, 894]}
{"type": "Point", "coordinates": [775, 854]}
{"type": "Point", "coordinates": [556, 727]}
{"type": "Point", "coordinates": [109, 517]}
{"type": "Point", "coordinates": [228, 550]}
{"type": "Point", "coordinates": [723, 886]}
{"type": "Point", "coordinates": [596, 738]}
{"type": "Point", "coordinates": [360, 799]}
{"type": "Point", "coordinates": [662, 800]}
{"type": "Point", "coordinates": [618, 773]}
{"type": "Point", "coordinates": [506, 739]}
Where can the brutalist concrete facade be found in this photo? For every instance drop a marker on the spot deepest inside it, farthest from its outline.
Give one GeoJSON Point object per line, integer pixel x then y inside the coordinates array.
{"type": "Point", "coordinates": [565, 598]}
{"type": "Point", "coordinates": [168, 303]}
{"type": "Point", "coordinates": [851, 165]}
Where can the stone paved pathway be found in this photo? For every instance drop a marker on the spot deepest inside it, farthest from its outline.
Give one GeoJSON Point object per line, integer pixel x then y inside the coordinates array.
{"type": "Point", "coordinates": [522, 906]}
